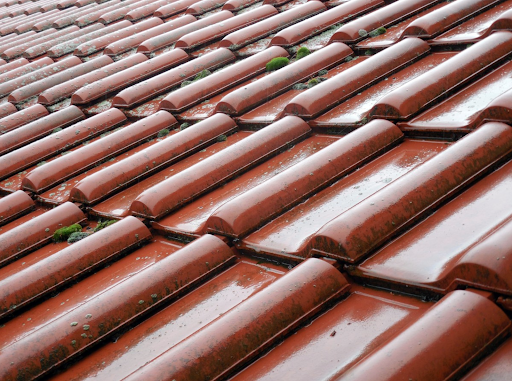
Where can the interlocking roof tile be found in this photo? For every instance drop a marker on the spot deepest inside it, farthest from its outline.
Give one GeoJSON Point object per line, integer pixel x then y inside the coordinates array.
{"type": "Point", "coordinates": [34, 130]}
{"type": "Point", "coordinates": [128, 76]}
{"type": "Point", "coordinates": [342, 217]}
{"type": "Point", "coordinates": [151, 160]}
{"type": "Point", "coordinates": [158, 201]}
{"type": "Point", "coordinates": [94, 153]}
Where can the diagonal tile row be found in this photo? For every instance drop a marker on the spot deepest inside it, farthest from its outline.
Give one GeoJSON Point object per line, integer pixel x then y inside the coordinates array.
{"type": "Point", "coordinates": [109, 110]}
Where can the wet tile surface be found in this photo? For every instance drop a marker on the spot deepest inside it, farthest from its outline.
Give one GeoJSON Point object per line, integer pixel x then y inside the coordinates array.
{"type": "Point", "coordinates": [255, 190]}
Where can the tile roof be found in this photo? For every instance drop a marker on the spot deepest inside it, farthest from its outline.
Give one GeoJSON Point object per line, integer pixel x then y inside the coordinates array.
{"type": "Point", "coordinates": [255, 190]}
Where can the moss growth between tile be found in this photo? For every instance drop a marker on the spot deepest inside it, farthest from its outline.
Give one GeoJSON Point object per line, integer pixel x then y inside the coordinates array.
{"type": "Point", "coordinates": [63, 233]}
{"type": "Point", "coordinates": [277, 63]}
{"type": "Point", "coordinates": [377, 32]}
{"type": "Point", "coordinates": [163, 132]}
{"type": "Point", "coordinates": [77, 236]}
{"type": "Point", "coordinates": [103, 224]}
{"type": "Point", "coordinates": [302, 52]}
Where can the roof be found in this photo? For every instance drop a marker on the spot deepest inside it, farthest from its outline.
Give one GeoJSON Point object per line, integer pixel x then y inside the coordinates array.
{"type": "Point", "coordinates": [247, 190]}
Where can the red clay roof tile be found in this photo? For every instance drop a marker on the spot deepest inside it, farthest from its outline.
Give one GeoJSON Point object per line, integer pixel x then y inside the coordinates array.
{"type": "Point", "coordinates": [128, 76]}
{"type": "Point", "coordinates": [220, 81]}
{"type": "Point", "coordinates": [160, 83]}
{"type": "Point", "coordinates": [327, 94]}
{"type": "Point", "coordinates": [236, 338]}
{"type": "Point", "coordinates": [129, 299]}
{"type": "Point", "coordinates": [20, 118]}
{"type": "Point", "coordinates": [112, 172]}
{"type": "Point", "coordinates": [94, 153]}
{"type": "Point", "coordinates": [169, 38]}
{"type": "Point", "coordinates": [37, 232]}
{"type": "Point", "coordinates": [48, 146]}
{"type": "Point", "coordinates": [380, 216]}
{"type": "Point", "coordinates": [15, 205]}
{"type": "Point", "coordinates": [148, 161]}
{"type": "Point", "coordinates": [158, 201]}
{"type": "Point", "coordinates": [29, 131]}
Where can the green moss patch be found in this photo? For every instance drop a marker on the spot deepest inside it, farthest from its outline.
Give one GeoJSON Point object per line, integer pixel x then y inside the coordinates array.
{"type": "Point", "coordinates": [303, 52]}
{"type": "Point", "coordinates": [277, 63]}
{"type": "Point", "coordinates": [63, 233]}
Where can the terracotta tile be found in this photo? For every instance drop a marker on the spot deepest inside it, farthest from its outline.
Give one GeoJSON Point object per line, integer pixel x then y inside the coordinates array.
{"type": "Point", "coordinates": [190, 220]}
{"type": "Point", "coordinates": [32, 234]}
{"type": "Point", "coordinates": [38, 50]}
{"type": "Point", "coordinates": [283, 79]}
{"type": "Point", "coordinates": [139, 294]}
{"type": "Point", "coordinates": [93, 15]}
{"type": "Point", "coordinates": [358, 29]}
{"type": "Point", "coordinates": [498, 109]}
{"type": "Point", "coordinates": [394, 33]}
{"type": "Point", "coordinates": [451, 317]}
{"type": "Point", "coordinates": [473, 30]}
{"type": "Point", "coordinates": [46, 71]}
{"type": "Point", "coordinates": [27, 67]}
{"type": "Point", "coordinates": [145, 10]}
{"type": "Point", "coordinates": [214, 171]}
{"type": "Point", "coordinates": [267, 113]}
{"type": "Point", "coordinates": [32, 130]}
{"type": "Point", "coordinates": [169, 38]}
{"type": "Point", "coordinates": [14, 206]}
{"type": "Point", "coordinates": [118, 205]}
{"type": "Point", "coordinates": [325, 95]}
{"type": "Point", "coordinates": [264, 28]}
{"type": "Point", "coordinates": [355, 111]}
{"type": "Point", "coordinates": [18, 50]}
{"type": "Point", "coordinates": [163, 82]}
{"type": "Point", "coordinates": [254, 208]}
{"type": "Point", "coordinates": [411, 197]}
{"type": "Point", "coordinates": [27, 37]}
{"type": "Point", "coordinates": [288, 235]}
{"type": "Point", "coordinates": [94, 153]}
{"type": "Point", "coordinates": [496, 367]}
{"type": "Point", "coordinates": [70, 15]}
{"type": "Point", "coordinates": [128, 76]}
{"type": "Point", "coordinates": [37, 151]}
{"type": "Point", "coordinates": [219, 30]}
{"type": "Point", "coordinates": [60, 193]}
{"type": "Point", "coordinates": [427, 88]}
{"type": "Point", "coordinates": [119, 12]}
{"type": "Point", "coordinates": [9, 26]}
{"type": "Point", "coordinates": [22, 219]}
{"type": "Point", "coordinates": [66, 89]}
{"type": "Point", "coordinates": [314, 25]}
{"type": "Point", "coordinates": [23, 284]}
{"type": "Point", "coordinates": [173, 8]}
{"type": "Point", "coordinates": [239, 329]}
{"type": "Point", "coordinates": [15, 37]}
{"type": "Point", "coordinates": [466, 109]}
{"type": "Point", "coordinates": [446, 17]}
{"type": "Point", "coordinates": [338, 339]}
{"type": "Point", "coordinates": [132, 42]}
{"type": "Point", "coordinates": [204, 6]}
{"type": "Point", "coordinates": [7, 109]}
{"type": "Point", "coordinates": [236, 5]}
{"type": "Point", "coordinates": [103, 183]}
{"type": "Point", "coordinates": [178, 321]}
{"type": "Point", "coordinates": [475, 253]}
{"type": "Point", "coordinates": [20, 118]}
{"type": "Point", "coordinates": [219, 81]}
{"type": "Point", "coordinates": [70, 45]}
{"type": "Point", "coordinates": [23, 93]}
{"type": "Point", "coordinates": [28, 23]}
{"type": "Point", "coordinates": [100, 43]}
{"type": "Point", "coordinates": [87, 290]}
